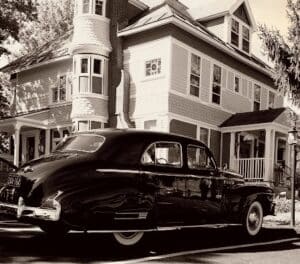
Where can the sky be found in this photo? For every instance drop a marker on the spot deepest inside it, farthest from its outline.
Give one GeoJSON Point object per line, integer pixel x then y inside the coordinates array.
{"type": "Point", "coordinates": [269, 12]}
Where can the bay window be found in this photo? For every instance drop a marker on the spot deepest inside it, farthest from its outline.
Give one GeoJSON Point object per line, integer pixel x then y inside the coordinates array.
{"type": "Point", "coordinates": [86, 125]}
{"type": "Point", "coordinates": [96, 7]}
{"type": "Point", "coordinates": [89, 73]}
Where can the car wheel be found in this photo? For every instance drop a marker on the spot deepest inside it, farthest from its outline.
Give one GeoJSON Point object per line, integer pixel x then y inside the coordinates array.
{"type": "Point", "coordinates": [128, 238]}
{"type": "Point", "coordinates": [253, 219]}
{"type": "Point", "coordinates": [54, 229]}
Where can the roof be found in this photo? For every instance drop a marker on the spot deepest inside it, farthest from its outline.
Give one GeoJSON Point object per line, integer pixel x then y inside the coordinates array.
{"type": "Point", "coordinates": [54, 49]}
{"type": "Point", "coordinates": [256, 117]}
{"type": "Point", "coordinates": [164, 13]}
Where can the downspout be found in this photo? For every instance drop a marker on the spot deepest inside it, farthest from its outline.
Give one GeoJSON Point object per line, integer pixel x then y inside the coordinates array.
{"type": "Point", "coordinates": [122, 102]}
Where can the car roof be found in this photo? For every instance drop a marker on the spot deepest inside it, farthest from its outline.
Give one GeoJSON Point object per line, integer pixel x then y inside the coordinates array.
{"type": "Point", "coordinates": [111, 133]}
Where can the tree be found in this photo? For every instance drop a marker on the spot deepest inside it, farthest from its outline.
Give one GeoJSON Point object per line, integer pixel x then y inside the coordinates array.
{"type": "Point", "coordinates": [54, 18]}
{"type": "Point", "coordinates": [285, 54]}
{"type": "Point", "coordinates": [11, 13]}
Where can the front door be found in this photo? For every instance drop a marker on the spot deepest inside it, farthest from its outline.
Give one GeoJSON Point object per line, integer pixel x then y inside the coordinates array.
{"type": "Point", "coordinates": [30, 147]}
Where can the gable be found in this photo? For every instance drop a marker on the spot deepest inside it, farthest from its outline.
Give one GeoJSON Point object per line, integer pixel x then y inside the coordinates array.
{"type": "Point", "coordinates": [242, 14]}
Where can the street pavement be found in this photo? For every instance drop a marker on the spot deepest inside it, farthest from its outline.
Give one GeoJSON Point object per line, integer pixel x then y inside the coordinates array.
{"type": "Point", "coordinates": [27, 244]}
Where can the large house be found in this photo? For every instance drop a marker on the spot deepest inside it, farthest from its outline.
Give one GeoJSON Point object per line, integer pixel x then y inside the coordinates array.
{"type": "Point", "coordinates": [167, 68]}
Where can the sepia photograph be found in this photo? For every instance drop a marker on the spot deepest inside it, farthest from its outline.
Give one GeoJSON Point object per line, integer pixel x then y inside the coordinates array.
{"type": "Point", "coordinates": [150, 131]}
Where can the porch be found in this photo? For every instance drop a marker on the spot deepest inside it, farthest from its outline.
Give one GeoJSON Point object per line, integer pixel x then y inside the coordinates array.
{"type": "Point", "coordinates": [258, 147]}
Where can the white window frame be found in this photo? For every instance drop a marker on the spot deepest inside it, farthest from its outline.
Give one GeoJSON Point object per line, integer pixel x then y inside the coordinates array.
{"type": "Point", "coordinates": [240, 34]}
{"type": "Point", "coordinates": [213, 82]}
{"type": "Point", "coordinates": [90, 73]}
{"type": "Point", "coordinates": [94, 7]}
{"type": "Point", "coordinates": [191, 73]}
{"type": "Point", "coordinates": [254, 99]}
{"type": "Point", "coordinates": [153, 75]}
{"type": "Point", "coordinates": [89, 124]}
{"type": "Point", "coordinates": [59, 88]}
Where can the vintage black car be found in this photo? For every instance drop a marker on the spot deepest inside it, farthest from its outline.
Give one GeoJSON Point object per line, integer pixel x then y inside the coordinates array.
{"type": "Point", "coordinates": [129, 182]}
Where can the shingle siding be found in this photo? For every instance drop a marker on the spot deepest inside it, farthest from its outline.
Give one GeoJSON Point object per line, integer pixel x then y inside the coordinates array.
{"type": "Point", "coordinates": [33, 89]}
{"type": "Point", "coordinates": [197, 111]}
{"type": "Point", "coordinates": [235, 102]}
{"type": "Point", "coordinates": [183, 128]}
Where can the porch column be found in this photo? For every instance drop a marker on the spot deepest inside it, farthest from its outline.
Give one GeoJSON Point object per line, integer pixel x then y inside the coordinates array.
{"type": "Point", "coordinates": [232, 163]}
{"type": "Point", "coordinates": [47, 141]}
{"type": "Point", "coordinates": [269, 155]}
{"type": "Point", "coordinates": [17, 145]}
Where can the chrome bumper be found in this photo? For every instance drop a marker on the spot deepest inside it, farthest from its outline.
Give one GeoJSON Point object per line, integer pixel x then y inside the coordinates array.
{"type": "Point", "coordinates": [22, 211]}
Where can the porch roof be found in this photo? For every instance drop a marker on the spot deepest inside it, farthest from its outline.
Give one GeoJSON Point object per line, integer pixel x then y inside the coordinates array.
{"type": "Point", "coordinates": [251, 118]}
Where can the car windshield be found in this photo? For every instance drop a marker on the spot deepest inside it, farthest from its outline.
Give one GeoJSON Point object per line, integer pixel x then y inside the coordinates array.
{"type": "Point", "coordinates": [85, 143]}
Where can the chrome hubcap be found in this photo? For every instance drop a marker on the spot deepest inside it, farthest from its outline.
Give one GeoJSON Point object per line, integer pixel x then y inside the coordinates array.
{"type": "Point", "coordinates": [253, 219]}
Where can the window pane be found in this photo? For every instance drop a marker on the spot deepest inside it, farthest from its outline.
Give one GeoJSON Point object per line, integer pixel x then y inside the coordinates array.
{"type": "Point", "coordinates": [198, 158]}
{"type": "Point", "coordinates": [246, 34]}
{"type": "Point", "coordinates": [99, 8]}
{"type": "Point", "coordinates": [83, 84]}
{"type": "Point", "coordinates": [237, 84]}
{"type": "Point", "coordinates": [257, 93]}
{"type": "Point", "coordinates": [62, 94]}
{"type": "Point", "coordinates": [83, 126]}
{"type": "Point", "coordinates": [195, 80]}
{"type": "Point", "coordinates": [234, 39]}
{"type": "Point", "coordinates": [256, 106]}
{"type": "Point", "coordinates": [204, 135]}
{"type": "Point", "coordinates": [55, 95]}
{"type": "Point", "coordinates": [245, 45]}
{"type": "Point", "coordinates": [234, 26]}
{"type": "Point", "coordinates": [97, 85]}
{"type": "Point", "coordinates": [216, 99]}
{"type": "Point", "coordinates": [97, 66]}
{"type": "Point", "coordinates": [84, 65]}
{"type": "Point", "coordinates": [85, 6]}
{"type": "Point", "coordinates": [195, 65]}
{"type": "Point", "coordinates": [95, 124]}
{"type": "Point", "coordinates": [271, 100]}
{"type": "Point", "coordinates": [194, 90]}
{"type": "Point", "coordinates": [150, 124]}
{"type": "Point", "coordinates": [217, 74]}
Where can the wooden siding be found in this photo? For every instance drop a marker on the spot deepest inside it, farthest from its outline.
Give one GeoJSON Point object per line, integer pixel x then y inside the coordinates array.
{"type": "Point", "coordinates": [183, 128]}
{"type": "Point", "coordinates": [197, 111]}
{"type": "Point", "coordinates": [179, 69]}
{"type": "Point", "coordinates": [33, 89]}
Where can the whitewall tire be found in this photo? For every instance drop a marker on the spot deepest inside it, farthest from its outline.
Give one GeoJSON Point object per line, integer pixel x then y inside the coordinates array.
{"type": "Point", "coordinates": [253, 219]}
{"type": "Point", "coordinates": [128, 238]}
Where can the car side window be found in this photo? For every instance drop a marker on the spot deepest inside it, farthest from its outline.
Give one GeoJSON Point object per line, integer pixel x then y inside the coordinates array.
{"type": "Point", "coordinates": [163, 154]}
{"type": "Point", "coordinates": [198, 158]}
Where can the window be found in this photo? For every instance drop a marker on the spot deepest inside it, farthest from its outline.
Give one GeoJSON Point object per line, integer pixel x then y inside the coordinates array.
{"type": "Point", "coordinates": [85, 6]}
{"type": "Point", "coordinates": [98, 7]}
{"type": "Point", "coordinates": [237, 84]}
{"type": "Point", "coordinates": [86, 125]}
{"type": "Point", "coordinates": [235, 32]}
{"type": "Point", "coordinates": [216, 87]}
{"type": "Point", "coordinates": [256, 97]}
{"type": "Point", "coordinates": [59, 92]}
{"type": "Point", "coordinates": [246, 39]}
{"type": "Point", "coordinates": [198, 158]}
{"type": "Point", "coordinates": [91, 69]}
{"type": "Point", "coordinates": [153, 67]}
{"type": "Point", "coordinates": [195, 75]}
{"type": "Point", "coordinates": [163, 154]}
{"type": "Point", "coordinates": [150, 124]}
{"type": "Point", "coordinates": [204, 135]}
{"type": "Point", "coordinates": [271, 100]}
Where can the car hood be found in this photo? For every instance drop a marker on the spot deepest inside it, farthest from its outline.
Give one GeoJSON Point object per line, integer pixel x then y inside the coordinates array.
{"type": "Point", "coordinates": [47, 165]}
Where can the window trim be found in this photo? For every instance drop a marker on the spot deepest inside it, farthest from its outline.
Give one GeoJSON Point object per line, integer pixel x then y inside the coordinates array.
{"type": "Point", "coordinates": [163, 165]}
{"type": "Point", "coordinates": [190, 74]}
{"type": "Point", "coordinates": [212, 83]}
{"type": "Point", "coordinates": [157, 75]}
{"type": "Point", "coordinates": [58, 87]}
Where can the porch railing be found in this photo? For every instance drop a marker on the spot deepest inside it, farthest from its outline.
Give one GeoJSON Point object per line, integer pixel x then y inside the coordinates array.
{"type": "Point", "coordinates": [253, 169]}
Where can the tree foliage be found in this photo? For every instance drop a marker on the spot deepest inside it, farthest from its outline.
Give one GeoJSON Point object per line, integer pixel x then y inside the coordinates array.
{"type": "Point", "coordinates": [12, 12]}
{"type": "Point", "coordinates": [285, 53]}
{"type": "Point", "coordinates": [54, 18]}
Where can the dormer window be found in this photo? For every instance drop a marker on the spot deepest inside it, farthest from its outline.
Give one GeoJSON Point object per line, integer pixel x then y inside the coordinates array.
{"type": "Point", "coordinates": [240, 35]}
{"type": "Point", "coordinates": [235, 32]}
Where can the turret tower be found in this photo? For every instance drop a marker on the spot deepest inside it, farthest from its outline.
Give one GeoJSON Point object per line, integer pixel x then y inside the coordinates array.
{"type": "Point", "coordinates": [90, 49]}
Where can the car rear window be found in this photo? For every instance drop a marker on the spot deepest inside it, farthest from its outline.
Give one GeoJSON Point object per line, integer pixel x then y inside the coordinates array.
{"type": "Point", "coordinates": [84, 143]}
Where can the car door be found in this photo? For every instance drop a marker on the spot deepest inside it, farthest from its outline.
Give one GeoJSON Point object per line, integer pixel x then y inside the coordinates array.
{"type": "Point", "coordinates": [162, 165]}
{"type": "Point", "coordinates": [204, 198]}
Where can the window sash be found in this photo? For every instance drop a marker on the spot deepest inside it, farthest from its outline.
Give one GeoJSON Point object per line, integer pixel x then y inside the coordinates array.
{"type": "Point", "coordinates": [98, 7]}
{"type": "Point", "coordinates": [86, 6]}
{"type": "Point", "coordinates": [216, 86]}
